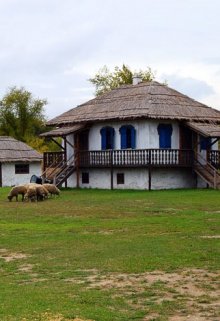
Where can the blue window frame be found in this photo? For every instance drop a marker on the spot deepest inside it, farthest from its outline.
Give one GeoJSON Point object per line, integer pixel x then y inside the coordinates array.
{"type": "Point", "coordinates": [128, 136]}
{"type": "Point", "coordinates": [107, 137]}
{"type": "Point", "coordinates": [165, 133]}
{"type": "Point", "coordinates": [205, 142]}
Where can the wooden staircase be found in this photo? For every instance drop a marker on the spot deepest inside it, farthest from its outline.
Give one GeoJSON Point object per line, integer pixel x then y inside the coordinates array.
{"type": "Point", "coordinates": [58, 173]}
{"type": "Point", "coordinates": [207, 172]}
{"type": "Point", "coordinates": [64, 174]}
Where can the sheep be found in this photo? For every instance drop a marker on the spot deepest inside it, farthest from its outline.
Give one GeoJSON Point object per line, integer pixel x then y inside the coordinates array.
{"type": "Point", "coordinates": [52, 189]}
{"type": "Point", "coordinates": [31, 193]}
{"type": "Point", "coordinates": [16, 190]}
{"type": "Point", "coordinates": [42, 192]}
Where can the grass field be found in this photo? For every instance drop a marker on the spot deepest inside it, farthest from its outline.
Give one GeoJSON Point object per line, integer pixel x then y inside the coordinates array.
{"type": "Point", "coordinates": [111, 256]}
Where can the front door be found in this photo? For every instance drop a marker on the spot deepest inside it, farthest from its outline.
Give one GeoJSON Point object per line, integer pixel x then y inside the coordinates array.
{"type": "Point", "coordinates": [186, 138]}
{"type": "Point", "coordinates": [84, 140]}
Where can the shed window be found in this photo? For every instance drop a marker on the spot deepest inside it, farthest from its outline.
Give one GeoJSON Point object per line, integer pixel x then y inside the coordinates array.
{"type": "Point", "coordinates": [107, 138]}
{"type": "Point", "coordinates": [85, 178]}
{"type": "Point", "coordinates": [21, 168]}
{"type": "Point", "coordinates": [127, 136]}
{"type": "Point", "coordinates": [165, 133]}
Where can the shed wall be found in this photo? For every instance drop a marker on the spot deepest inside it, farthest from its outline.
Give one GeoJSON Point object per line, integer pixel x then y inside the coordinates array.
{"type": "Point", "coordinates": [9, 178]}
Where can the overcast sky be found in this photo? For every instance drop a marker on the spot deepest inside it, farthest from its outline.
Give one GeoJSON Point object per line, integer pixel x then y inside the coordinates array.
{"type": "Point", "coordinates": [52, 47]}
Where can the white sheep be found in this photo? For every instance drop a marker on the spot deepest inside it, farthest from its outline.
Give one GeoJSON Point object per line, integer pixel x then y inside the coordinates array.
{"type": "Point", "coordinates": [31, 193]}
{"type": "Point", "coordinates": [42, 192]}
{"type": "Point", "coordinates": [52, 189]}
{"type": "Point", "coordinates": [16, 190]}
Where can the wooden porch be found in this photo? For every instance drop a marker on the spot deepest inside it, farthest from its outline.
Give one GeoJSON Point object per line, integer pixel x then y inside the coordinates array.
{"type": "Point", "coordinates": [58, 168]}
{"type": "Point", "coordinates": [123, 158]}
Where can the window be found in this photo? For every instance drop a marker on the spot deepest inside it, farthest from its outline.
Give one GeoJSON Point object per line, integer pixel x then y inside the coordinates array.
{"type": "Point", "coordinates": [21, 168]}
{"type": "Point", "coordinates": [127, 136]}
{"type": "Point", "coordinates": [107, 136]}
{"type": "Point", "coordinates": [205, 142]}
{"type": "Point", "coordinates": [120, 178]}
{"type": "Point", "coordinates": [165, 133]}
{"type": "Point", "coordinates": [85, 178]}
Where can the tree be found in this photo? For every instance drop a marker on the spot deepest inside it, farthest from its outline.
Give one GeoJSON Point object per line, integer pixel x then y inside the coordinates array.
{"type": "Point", "coordinates": [21, 116]}
{"type": "Point", "coordinates": [43, 145]}
{"type": "Point", "coordinates": [105, 80]}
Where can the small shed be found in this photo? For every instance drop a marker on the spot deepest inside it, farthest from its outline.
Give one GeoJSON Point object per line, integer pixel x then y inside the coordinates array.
{"type": "Point", "coordinates": [18, 162]}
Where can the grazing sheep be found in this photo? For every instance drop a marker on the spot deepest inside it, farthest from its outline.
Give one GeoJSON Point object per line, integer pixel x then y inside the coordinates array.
{"type": "Point", "coordinates": [42, 192]}
{"type": "Point", "coordinates": [16, 190]}
{"type": "Point", "coordinates": [52, 189]}
{"type": "Point", "coordinates": [31, 193]}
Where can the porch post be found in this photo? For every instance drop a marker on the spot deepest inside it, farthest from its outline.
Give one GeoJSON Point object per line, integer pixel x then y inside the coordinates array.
{"type": "Point", "coordinates": [111, 160]}
{"type": "Point", "coordinates": [149, 171]}
{"type": "Point", "coordinates": [65, 156]}
{"type": "Point", "coordinates": [77, 160]}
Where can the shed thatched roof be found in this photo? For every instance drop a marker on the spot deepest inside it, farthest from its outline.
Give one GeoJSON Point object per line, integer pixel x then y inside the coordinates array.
{"type": "Point", "coordinates": [145, 100]}
{"type": "Point", "coordinates": [12, 150]}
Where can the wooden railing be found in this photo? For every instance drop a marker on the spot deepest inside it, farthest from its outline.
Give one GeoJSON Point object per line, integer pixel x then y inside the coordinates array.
{"type": "Point", "coordinates": [207, 171]}
{"type": "Point", "coordinates": [52, 159]}
{"type": "Point", "coordinates": [213, 157]}
{"type": "Point", "coordinates": [124, 158]}
{"type": "Point", "coordinates": [136, 158]}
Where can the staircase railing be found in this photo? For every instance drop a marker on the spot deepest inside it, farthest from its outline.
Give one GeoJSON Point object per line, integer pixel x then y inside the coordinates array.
{"type": "Point", "coordinates": [207, 168]}
{"type": "Point", "coordinates": [54, 166]}
{"type": "Point", "coordinates": [71, 162]}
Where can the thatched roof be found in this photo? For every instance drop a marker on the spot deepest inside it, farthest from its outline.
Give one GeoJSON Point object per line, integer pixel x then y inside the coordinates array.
{"type": "Point", "coordinates": [63, 131]}
{"type": "Point", "coordinates": [12, 150]}
{"type": "Point", "coordinates": [205, 129]}
{"type": "Point", "coordinates": [145, 100]}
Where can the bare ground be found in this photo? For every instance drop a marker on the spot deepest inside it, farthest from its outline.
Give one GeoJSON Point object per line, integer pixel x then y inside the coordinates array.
{"type": "Point", "coordinates": [196, 291]}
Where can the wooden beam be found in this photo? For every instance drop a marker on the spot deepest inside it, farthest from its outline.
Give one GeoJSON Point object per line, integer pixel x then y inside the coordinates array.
{"type": "Point", "coordinates": [54, 140]}
{"type": "Point", "coordinates": [65, 156]}
{"type": "Point", "coordinates": [215, 141]}
{"type": "Point", "coordinates": [149, 178]}
{"type": "Point", "coordinates": [112, 171]}
{"type": "Point", "coordinates": [69, 143]}
{"type": "Point", "coordinates": [77, 160]}
{"type": "Point", "coordinates": [149, 171]}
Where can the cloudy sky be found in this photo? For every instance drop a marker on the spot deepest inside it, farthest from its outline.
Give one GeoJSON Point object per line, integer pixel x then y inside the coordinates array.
{"type": "Point", "coordinates": [52, 47]}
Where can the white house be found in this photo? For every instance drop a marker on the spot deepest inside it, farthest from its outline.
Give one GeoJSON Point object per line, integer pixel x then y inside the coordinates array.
{"type": "Point", "coordinates": [142, 136]}
{"type": "Point", "coordinates": [18, 162]}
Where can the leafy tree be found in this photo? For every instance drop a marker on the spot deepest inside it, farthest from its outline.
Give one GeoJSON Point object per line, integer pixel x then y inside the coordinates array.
{"type": "Point", "coordinates": [43, 145]}
{"type": "Point", "coordinates": [105, 80]}
{"type": "Point", "coordinates": [21, 116]}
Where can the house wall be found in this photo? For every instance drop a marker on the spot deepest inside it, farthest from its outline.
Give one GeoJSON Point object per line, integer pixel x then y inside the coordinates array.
{"type": "Point", "coordinates": [9, 178]}
{"type": "Point", "coordinates": [146, 134]}
{"type": "Point", "coordinates": [146, 137]}
{"type": "Point", "coordinates": [137, 179]}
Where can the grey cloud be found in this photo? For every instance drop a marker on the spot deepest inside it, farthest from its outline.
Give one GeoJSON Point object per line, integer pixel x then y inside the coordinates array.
{"type": "Point", "coordinates": [195, 88]}
{"type": "Point", "coordinates": [42, 39]}
{"type": "Point", "coordinates": [212, 60]}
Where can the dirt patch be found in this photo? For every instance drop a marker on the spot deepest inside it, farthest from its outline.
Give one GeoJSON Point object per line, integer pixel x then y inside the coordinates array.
{"type": "Point", "coordinates": [58, 317]}
{"type": "Point", "coordinates": [189, 282]}
{"type": "Point", "coordinates": [188, 318]}
{"type": "Point", "coordinates": [210, 236]}
{"type": "Point", "coordinates": [11, 256]}
{"type": "Point", "coordinates": [197, 291]}
{"type": "Point", "coordinates": [26, 268]}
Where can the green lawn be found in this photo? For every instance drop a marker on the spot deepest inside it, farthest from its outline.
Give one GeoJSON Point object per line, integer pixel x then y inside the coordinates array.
{"type": "Point", "coordinates": [111, 256]}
